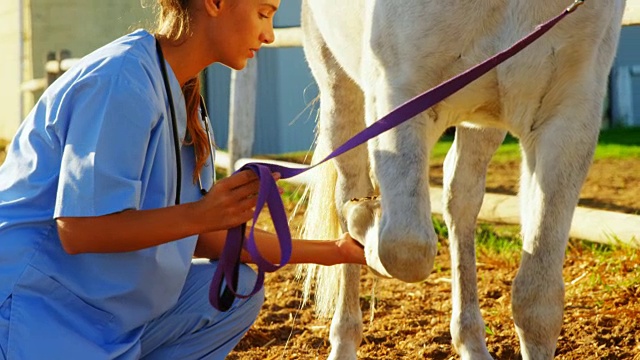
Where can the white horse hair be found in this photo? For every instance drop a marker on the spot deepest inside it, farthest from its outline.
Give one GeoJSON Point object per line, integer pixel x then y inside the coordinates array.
{"type": "Point", "coordinates": [370, 56]}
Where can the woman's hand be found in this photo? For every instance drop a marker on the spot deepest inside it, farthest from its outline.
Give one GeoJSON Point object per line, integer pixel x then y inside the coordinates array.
{"type": "Point", "coordinates": [351, 251]}
{"type": "Point", "coordinates": [231, 201]}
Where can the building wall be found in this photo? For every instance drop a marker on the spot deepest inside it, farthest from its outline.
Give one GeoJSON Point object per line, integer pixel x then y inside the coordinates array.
{"type": "Point", "coordinates": [626, 79]}
{"type": "Point", "coordinates": [10, 70]}
{"type": "Point", "coordinates": [81, 26]}
{"type": "Point", "coordinates": [29, 29]}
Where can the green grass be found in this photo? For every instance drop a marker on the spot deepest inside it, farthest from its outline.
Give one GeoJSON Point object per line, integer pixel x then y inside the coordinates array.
{"type": "Point", "coordinates": [622, 143]}
{"type": "Point", "coordinates": [619, 143]}
{"type": "Point", "coordinates": [508, 151]}
{"type": "Point", "coordinates": [498, 241]}
{"type": "Point", "coordinates": [612, 269]}
{"type": "Point", "coordinates": [291, 192]}
{"type": "Point", "coordinates": [491, 239]}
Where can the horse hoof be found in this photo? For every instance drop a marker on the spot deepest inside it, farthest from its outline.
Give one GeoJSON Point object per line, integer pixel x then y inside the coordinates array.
{"type": "Point", "coordinates": [363, 215]}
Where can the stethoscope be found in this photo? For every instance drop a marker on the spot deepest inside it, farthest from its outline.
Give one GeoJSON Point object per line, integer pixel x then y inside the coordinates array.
{"type": "Point", "coordinates": [176, 142]}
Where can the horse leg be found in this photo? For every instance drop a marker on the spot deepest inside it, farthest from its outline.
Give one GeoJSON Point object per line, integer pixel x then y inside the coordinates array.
{"type": "Point", "coordinates": [557, 153]}
{"type": "Point", "coordinates": [407, 243]}
{"type": "Point", "coordinates": [341, 117]}
{"type": "Point", "coordinates": [556, 159]}
{"type": "Point", "coordinates": [464, 185]}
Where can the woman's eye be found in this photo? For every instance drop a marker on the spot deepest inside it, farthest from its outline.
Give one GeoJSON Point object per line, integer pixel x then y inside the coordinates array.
{"type": "Point", "coordinates": [263, 16]}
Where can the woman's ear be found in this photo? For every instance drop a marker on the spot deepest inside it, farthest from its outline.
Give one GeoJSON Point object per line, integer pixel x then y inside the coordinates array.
{"type": "Point", "coordinates": [213, 6]}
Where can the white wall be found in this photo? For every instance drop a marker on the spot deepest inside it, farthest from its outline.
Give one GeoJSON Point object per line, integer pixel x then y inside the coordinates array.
{"type": "Point", "coordinates": [10, 67]}
{"type": "Point", "coordinates": [632, 13]}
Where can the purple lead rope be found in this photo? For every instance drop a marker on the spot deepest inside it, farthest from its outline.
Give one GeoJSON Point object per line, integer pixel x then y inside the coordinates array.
{"type": "Point", "coordinates": [229, 262]}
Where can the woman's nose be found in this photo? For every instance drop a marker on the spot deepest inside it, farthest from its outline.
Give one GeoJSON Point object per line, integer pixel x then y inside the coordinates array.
{"type": "Point", "coordinates": [268, 36]}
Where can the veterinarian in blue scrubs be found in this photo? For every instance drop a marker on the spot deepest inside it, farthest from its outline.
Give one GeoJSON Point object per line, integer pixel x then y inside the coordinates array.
{"type": "Point", "coordinates": [96, 251]}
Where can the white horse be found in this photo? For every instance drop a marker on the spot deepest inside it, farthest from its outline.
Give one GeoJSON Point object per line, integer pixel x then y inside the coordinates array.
{"type": "Point", "coordinates": [369, 56]}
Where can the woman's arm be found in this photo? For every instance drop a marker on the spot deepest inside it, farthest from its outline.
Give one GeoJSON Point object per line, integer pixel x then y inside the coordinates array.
{"type": "Point", "coordinates": [229, 203]}
{"type": "Point", "coordinates": [322, 252]}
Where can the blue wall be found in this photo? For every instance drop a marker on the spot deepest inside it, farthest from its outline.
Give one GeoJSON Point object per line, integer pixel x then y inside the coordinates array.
{"type": "Point", "coordinates": [629, 55]}
{"type": "Point", "coordinates": [285, 112]}
{"type": "Point", "coordinates": [629, 48]}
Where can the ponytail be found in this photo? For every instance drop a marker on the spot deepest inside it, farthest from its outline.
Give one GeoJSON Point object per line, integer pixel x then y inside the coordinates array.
{"type": "Point", "coordinates": [199, 140]}
{"type": "Point", "coordinates": [173, 22]}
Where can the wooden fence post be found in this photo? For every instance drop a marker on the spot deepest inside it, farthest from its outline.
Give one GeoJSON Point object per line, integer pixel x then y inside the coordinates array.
{"type": "Point", "coordinates": [53, 65]}
{"type": "Point", "coordinates": [242, 113]}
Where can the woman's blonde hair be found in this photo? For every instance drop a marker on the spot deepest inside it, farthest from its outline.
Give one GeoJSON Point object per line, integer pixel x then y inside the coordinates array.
{"type": "Point", "coordinates": [173, 22]}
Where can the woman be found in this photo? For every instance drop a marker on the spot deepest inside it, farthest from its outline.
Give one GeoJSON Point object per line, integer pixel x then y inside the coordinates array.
{"type": "Point", "coordinates": [97, 234]}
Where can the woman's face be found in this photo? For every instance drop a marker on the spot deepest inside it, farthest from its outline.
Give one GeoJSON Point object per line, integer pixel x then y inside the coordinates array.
{"type": "Point", "coordinates": [242, 27]}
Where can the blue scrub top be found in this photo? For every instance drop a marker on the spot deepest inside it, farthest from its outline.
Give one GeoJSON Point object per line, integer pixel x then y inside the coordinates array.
{"type": "Point", "coordinates": [99, 141]}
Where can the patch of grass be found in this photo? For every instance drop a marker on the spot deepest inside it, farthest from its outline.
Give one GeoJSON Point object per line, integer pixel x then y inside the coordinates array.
{"type": "Point", "coordinates": [220, 173]}
{"type": "Point", "coordinates": [595, 279]}
{"type": "Point", "coordinates": [619, 143]}
{"type": "Point", "coordinates": [613, 268]}
{"type": "Point", "coordinates": [620, 136]}
{"type": "Point", "coordinates": [292, 192]}
{"type": "Point", "coordinates": [632, 280]}
{"type": "Point", "coordinates": [437, 266]}
{"type": "Point", "coordinates": [492, 240]}
{"type": "Point", "coordinates": [613, 151]}
{"type": "Point", "coordinates": [508, 151]}
{"type": "Point", "coordinates": [440, 227]}
{"type": "Point", "coordinates": [488, 330]}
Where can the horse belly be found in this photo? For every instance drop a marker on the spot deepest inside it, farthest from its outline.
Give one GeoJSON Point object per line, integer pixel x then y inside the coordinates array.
{"type": "Point", "coordinates": [423, 43]}
{"type": "Point", "coordinates": [512, 96]}
{"type": "Point", "coordinates": [535, 81]}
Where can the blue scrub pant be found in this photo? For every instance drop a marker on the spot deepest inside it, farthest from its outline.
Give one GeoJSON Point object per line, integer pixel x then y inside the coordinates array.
{"type": "Point", "coordinates": [192, 329]}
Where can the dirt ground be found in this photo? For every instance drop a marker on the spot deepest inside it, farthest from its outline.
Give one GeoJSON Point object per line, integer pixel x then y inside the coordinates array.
{"type": "Point", "coordinates": [411, 321]}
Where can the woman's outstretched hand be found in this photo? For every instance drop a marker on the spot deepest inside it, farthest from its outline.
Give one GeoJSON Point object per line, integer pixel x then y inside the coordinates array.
{"type": "Point", "coordinates": [351, 250]}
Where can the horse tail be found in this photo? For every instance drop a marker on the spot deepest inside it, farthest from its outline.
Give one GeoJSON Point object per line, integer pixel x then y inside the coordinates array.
{"type": "Point", "coordinates": [321, 222]}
